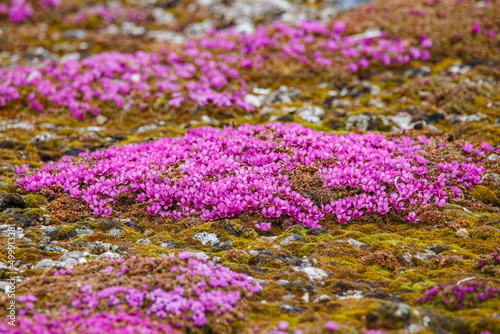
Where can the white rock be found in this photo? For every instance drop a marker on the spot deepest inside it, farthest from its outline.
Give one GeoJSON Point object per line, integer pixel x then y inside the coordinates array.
{"type": "Point", "coordinates": [207, 238]}
{"type": "Point", "coordinates": [109, 254]}
{"type": "Point", "coordinates": [462, 233]}
{"type": "Point", "coordinates": [355, 243]}
{"type": "Point", "coordinates": [321, 298]}
{"type": "Point", "coordinates": [313, 273]}
{"type": "Point", "coordinates": [254, 100]}
{"type": "Point", "coordinates": [46, 264]}
{"type": "Point", "coordinates": [311, 114]}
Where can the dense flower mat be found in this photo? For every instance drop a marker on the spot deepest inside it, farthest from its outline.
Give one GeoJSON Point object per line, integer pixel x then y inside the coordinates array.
{"type": "Point", "coordinates": [222, 173]}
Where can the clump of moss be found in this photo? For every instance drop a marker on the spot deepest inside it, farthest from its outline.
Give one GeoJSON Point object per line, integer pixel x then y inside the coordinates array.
{"type": "Point", "coordinates": [236, 229]}
{"type": "Point", "coordinates": [36, 214]}
{"type": "Point", "coordinates": [445, 261]}
{"type": "Point", "coordinates": [35, 201]}
{"type": "Point", "coordinates": [64, 232]}
{"type": "Point", "coordinates": [484, 232]}
{"type": "Point", "coordinates": [485, 195]}
{"type": "Point", "coordinates": [236, 256]}
{"type": "Point", "coordinates": [382, 259]}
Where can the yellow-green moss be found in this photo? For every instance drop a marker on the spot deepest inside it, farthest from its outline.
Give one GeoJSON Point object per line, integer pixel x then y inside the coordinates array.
{"type": "Point", "coordinates": [485, 195]}
{"type": "Point", "coordinates": [35, 201]}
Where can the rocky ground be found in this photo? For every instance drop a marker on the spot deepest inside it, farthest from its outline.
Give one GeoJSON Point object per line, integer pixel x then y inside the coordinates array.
{"type": "Point", "coordinates": [376, 273]}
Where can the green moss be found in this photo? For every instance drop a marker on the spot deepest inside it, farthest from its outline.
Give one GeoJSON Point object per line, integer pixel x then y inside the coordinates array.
{"type": "Point", "coordinates": [130, 235]}
{"type": "Point", "coordinates": [64, 232]}
{"type": "Point", "coordinates": [36, 213]}
{"type": "Point", "coordinates": [485, 195]}
{"type": "Point", "coordinates": [33, 255]}
{"type": "Point", "coordinates": [35, 201]}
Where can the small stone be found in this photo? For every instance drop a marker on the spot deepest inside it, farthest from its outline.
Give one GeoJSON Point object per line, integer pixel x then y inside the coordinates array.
{"type": "Point", "coordinates": [305, 297]}
{"type": "Point", "coordinates": [283, 282]}
{"type": "Point", "coordinates": [12, 201]}
{"type": "Point", "coordinates": [115, 232]}
{"type": "Point", "coordinates": [355, 243]}
{"type": "Point", "coordinates": [144, 241]}
{"type": "Point", "coordinates": [287, 298]}
{"type": "Point", "coordinates": [46, 264]}
{"type": "Point", "coordinates": [83, 231]}
{"type": "Point", "coordinates": [438, 249]}
{"type": "Point", "coordinates": [287, 309]}
{"type": "Point", "coordinates": [321, 298]}
{"type": "Point", "coordinates": [73, 151]}
{"type": "Point", "coordinates": [101, 120]}
{"type": "Point", "coordinates": [312, 114]}
{"type": "Point", "coordinates": [71, 259]}
{"type": "Point", "coordinates": [462, 233]}
{"type": "Point", "coordinates": [207, 238]}
{"type": "Point", "coordinates": [109, 254]}
{"type": "Point", "coordinates": [313, 273]}
{"type": "Point", "coordinates": [169, 244]}
{"type": "Point", "coordinates": [291, 239]}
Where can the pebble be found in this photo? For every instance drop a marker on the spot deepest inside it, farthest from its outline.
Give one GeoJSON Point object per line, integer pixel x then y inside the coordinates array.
{"type": "Point", "coordinates": [462, 233]}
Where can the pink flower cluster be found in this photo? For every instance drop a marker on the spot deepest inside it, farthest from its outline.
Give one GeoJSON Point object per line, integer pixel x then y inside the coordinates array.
{"type": "Point", "coordinates": [209, 70]}
{"type": "Point", "coordinates": [222, 173]}
{"type": "Point", "coordinates": [460, 296]}
{"type": "Point", "coordinates": [67, 322]}
{"type": "Point", "coordinates": [208, 294]}
{"type": "Point", "coordinates": [20, 10]}
{"type": "Point", "coordinates": [108, 15]}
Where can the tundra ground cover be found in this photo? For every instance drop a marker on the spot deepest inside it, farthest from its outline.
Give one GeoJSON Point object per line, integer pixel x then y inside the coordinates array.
{"type": "Point", "coordinates": [111, 188]}
{"type": "Point", "coordinates": [207, 70]}
{"type": "Point", "coordinates": [219, 174]}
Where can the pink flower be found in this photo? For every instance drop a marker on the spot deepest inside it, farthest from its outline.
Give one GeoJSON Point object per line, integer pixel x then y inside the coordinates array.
{"type": "Point", "coordinates": [331, 326]}
{"type": "Point", "coordinates": [263, 226]}
{"type": "Point", "coordinates": [476, 28]}
{"type": "Point", "coordinates": [353, 67]}
{"type": "Point", "coordinates": [363, 63]}
{"type": "Point", "coordinates": [486, 146]}
{"type": "Point", "coordinates": [412, 218]}
{"type": "Point", "coordinates": [339, 27]}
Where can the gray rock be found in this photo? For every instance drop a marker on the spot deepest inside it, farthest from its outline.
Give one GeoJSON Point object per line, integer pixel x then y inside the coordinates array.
{"type": "Point", "coordinates": [314, 274]}
{"type": "Point", "coordinates": [115, 232]}
{"type": "Point", "coordinates": [283, 94]}
{"type": "Point", "coordinates": [41, 139]}
{"type": "Point", "coordinates": [144, 241]}
{"type": "Point", "coordinates": [207, 238]}
{"type": "Point", "coordinates": [402, 119]}
{"type": "Point", "coordinates": [359, 122]}
{"type": "Point", "coordinates": [46, 264]}
{"type": "Point", "coordinates": [287, 298]}
{"type": "Point", "coordinates": [83, 231]}
{"type": "Point", "coordinates": [287, 309]}
{"type": "Point", "coordinates": [283, 282]}
{"type": "Point", "coordinates": [321, 298]}
{"type": "Point", "coordinates": [291, 239]}
{"type": "Point", "coordinates": [355, 243]}
{"type": "Point", "coordinates": [462, 233]}
{"type": "Point", "coordinates": [109, 254]}
{"type": "Point", "coordinates": [75, 33]}
{"type": "Point", "coordinates": [438, 249]}
{"type": "Point", "coordinates": [200, 255]}
{"type": "Point", "coordinates": [71, 259]}
{"type": "Point", "coordinates": [425, 255]}
{"type": "Point", "coordinates": [312, 114]}
{"type": "Point", "coordinates": [169, 244]}
{"type": "Point", "coordinates": [12, 201]}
